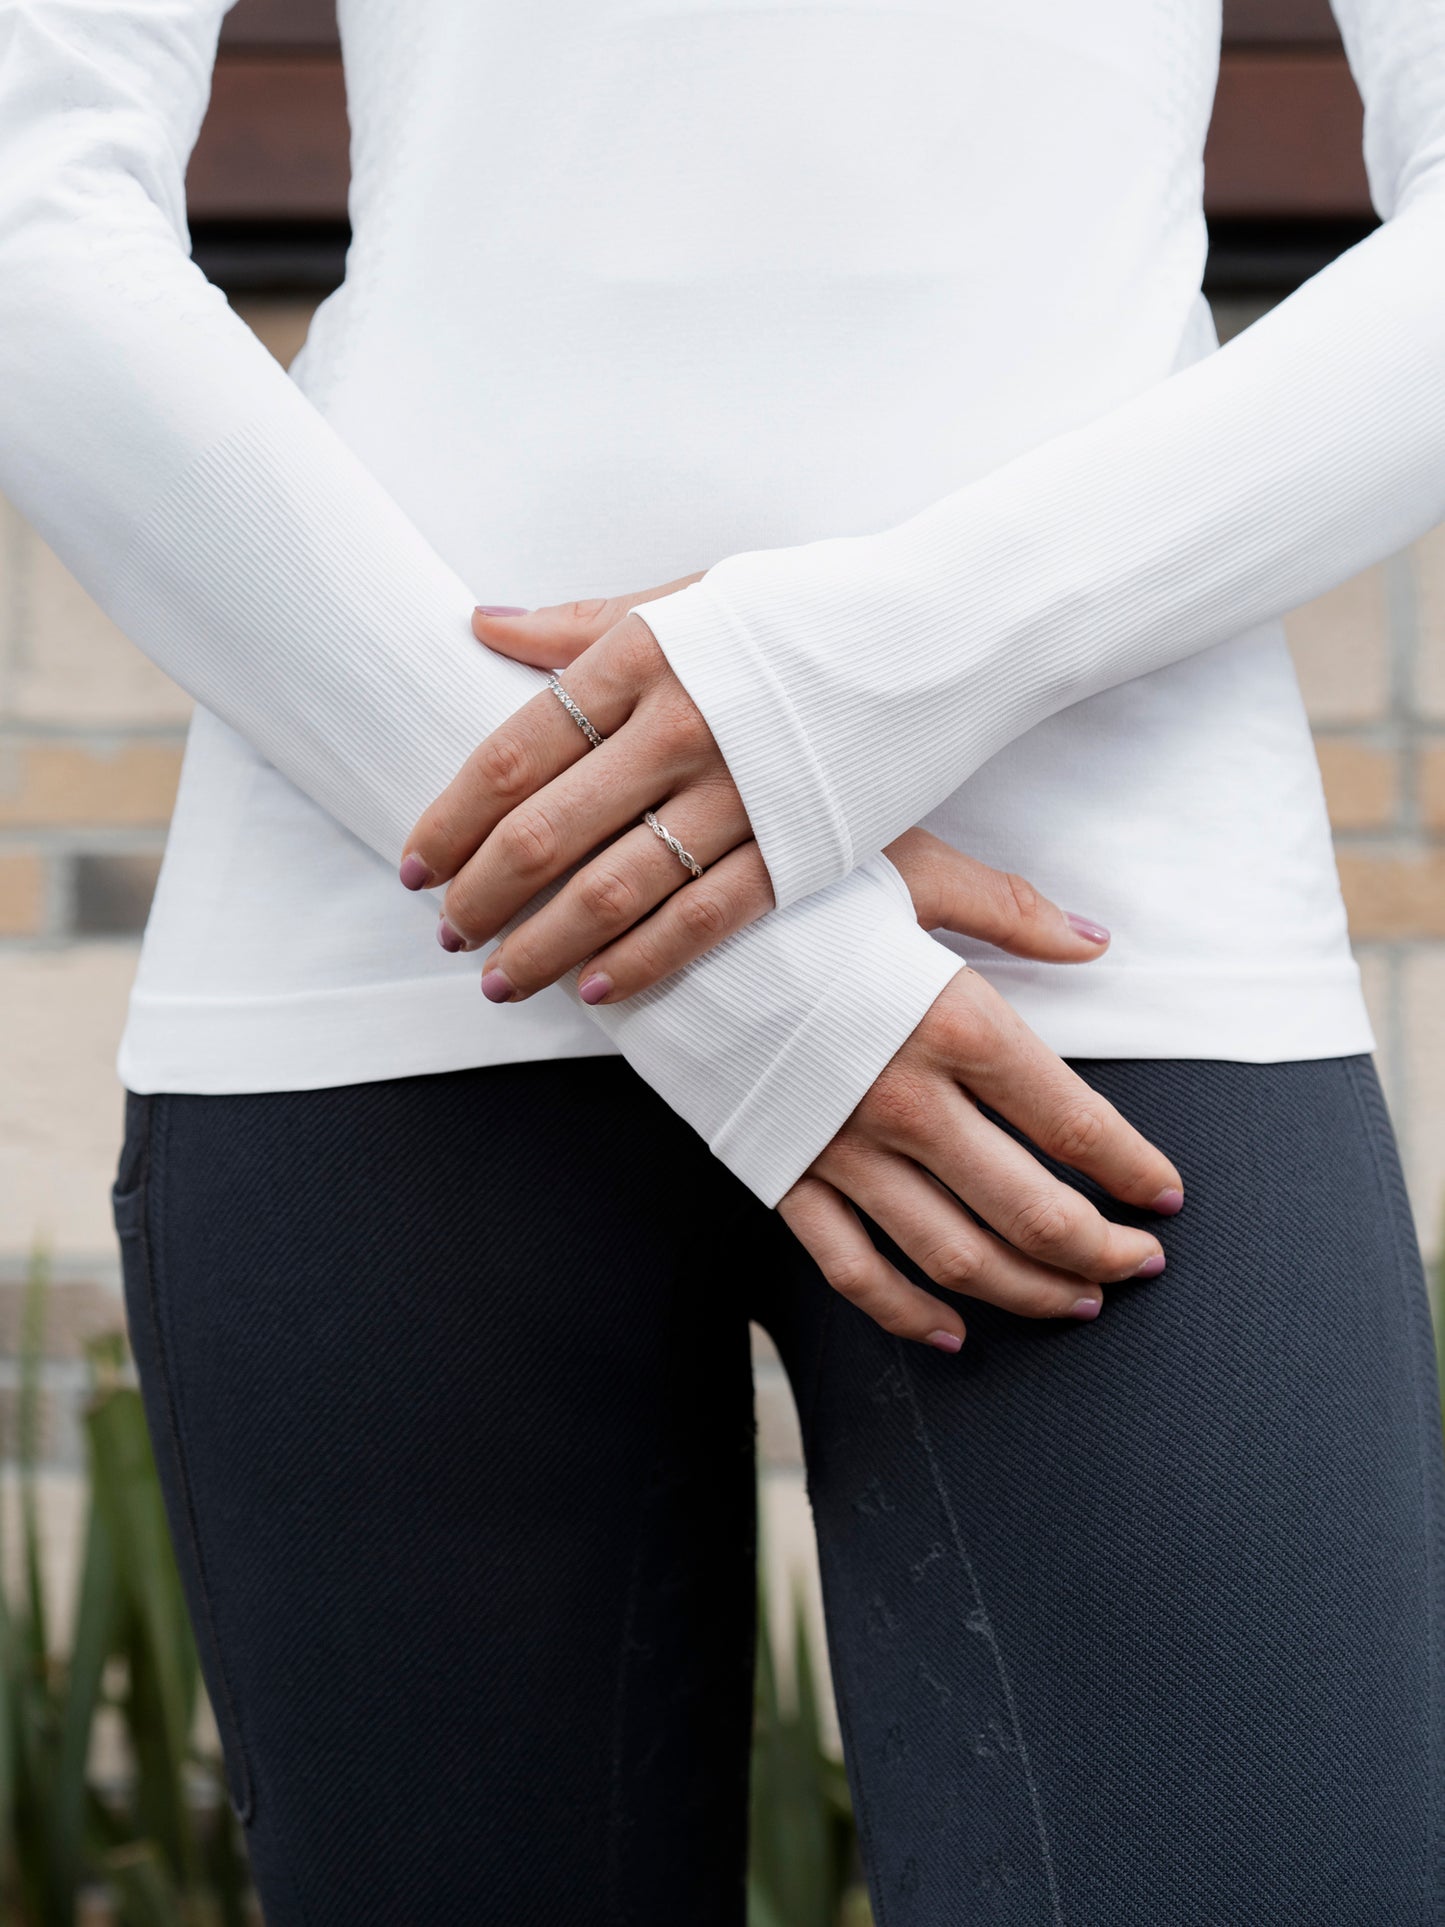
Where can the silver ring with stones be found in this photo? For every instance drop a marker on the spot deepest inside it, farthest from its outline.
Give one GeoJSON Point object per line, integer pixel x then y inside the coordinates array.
{"type": "Point", "coordinates": [594, 736]}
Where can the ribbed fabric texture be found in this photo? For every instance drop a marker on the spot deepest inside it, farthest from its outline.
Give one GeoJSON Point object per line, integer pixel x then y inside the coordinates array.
{"type": "Point", "coordinates": [854, 684]}
{"type": "Point", "coordinates": [235, 536]}
{"type": "Point", "coordinates": [830, 264]}
{"type": "Point", "coordinates": [766, 1048]}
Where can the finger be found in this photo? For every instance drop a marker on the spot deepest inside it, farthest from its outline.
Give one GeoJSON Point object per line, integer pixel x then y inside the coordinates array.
{"type": "Point", "coordinates": [544, 738]}
{"type": "Point", "coordinates": [1016, 1196]}
{"type": "Point", "coordinates": [531, 748]}
{"type": "Point", "coordinates": [951, 891]}
{"type": "Point", "coordinates": [615, 891]}
{"type": "Point", "coordinates": [1010, 1068]}
{"type": "Point", "coordinates": [551, 638]}
{"type": "Point", "coordinates": [930, 1225]}
{"type": "Point", "coordinates": [842, 1250]}
{"type": "Point", "coordinates": [730, 894]}
{"type": "Point", "coordinates": [567, 821]}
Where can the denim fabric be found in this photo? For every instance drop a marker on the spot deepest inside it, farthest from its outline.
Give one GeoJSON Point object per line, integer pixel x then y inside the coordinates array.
{"type": "Point", "coordinates": [1132, 1624]}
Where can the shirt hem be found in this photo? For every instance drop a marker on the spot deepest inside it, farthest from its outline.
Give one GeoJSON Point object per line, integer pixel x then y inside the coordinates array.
{"type": "Point", "coordinates": [320, 1040]}
{"type": "Point", "coordinates": [1273, 1015]}
{"type": "Point", "coordinates": [214, 1046]}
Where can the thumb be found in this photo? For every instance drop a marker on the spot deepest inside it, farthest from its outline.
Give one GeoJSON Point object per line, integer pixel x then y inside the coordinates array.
{"type": "Point", "coordinates": [550, 638]}
{"type": "Point", "coordinates": [955, 892]}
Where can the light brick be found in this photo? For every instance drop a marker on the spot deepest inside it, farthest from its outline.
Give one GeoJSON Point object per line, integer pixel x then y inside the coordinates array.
{"type": "Point", "coordinates": [61, 1510]}
{"type": "Point", "coordinates": [13, 534]}
{"type": "Point", "coordinates": [279, 322]}
{"type": "Point", "coordinates": [1340, 645]}
{"type": "Point", "coordinates": [1377, 983]}
{"type": "Point", "coordinates": [1428, 558]}
{"type": "Point", "coordinates": [790, 1557]}
{"type": "Point", "coordinates": [780, 1442]}
{"type": "Point", "coordinates": [1424, 1107]}
{"type": "Point", "coordinates": [1392, 896]}
{"type": "Point", "coordinates": [763, 1348]}
{"type": "Point", "coordinates": [69, 784]}
{"type": "Point", "coordinates": [1430, 785]}
{"type": "Point", "coordinates": [60, 1100]}
{"type": "Point", "coordinates": [75, 1311]}
{"type": "Point", "coordinates": [72, 667]}
{"type": "Point", "coordinates": [1361, 783]}
{"type": "Point", "coordinates": [58, 1428]}
{"type": "Point", "coordinates": [22, 893]}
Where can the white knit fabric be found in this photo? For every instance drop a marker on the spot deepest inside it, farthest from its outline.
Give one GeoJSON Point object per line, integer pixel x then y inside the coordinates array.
{"type": "Point", "coordinates": [634, 289]}
{"type": "Point", "coordinates": [1208, 504]}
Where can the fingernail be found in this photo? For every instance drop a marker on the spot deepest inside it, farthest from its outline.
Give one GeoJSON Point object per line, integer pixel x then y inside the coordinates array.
{"type": "Point", "coordinates": [1086, 928]}
{"type": "Point", "coordinates": [945, 1341]}
{"type": "Point", "coordinates": [593, 989]}
{"type": "Point", "coordinates": [496, 986]}
{"type": "Point", "coordinates": [1169, 1202]}
{"type": "Point", "coordinates": [1085, 1308]}
{"type": "Point", "coordinates": [413, 872]}
{"type": "Point", "coordinates": [450, 938]}
{"type": "Point", "coordinates": [498, 609]}
{"type": "Point", "coordinates": [1151, 1267]}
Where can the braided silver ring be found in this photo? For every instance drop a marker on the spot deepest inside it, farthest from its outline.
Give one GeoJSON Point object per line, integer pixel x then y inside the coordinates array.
{"type": "Point", "coordinates": [594, 736]}
{"type": "Point", "coordinates": [687, 861]}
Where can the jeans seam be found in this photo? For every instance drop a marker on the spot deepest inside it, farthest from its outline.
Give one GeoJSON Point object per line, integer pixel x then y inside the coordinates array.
{"type": "Point", "coordinates": [970, 1572]}
{"type": "Point", "coordinates": [1393, 1202]}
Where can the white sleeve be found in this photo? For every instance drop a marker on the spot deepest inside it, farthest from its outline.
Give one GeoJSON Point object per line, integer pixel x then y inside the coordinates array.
{"type": "Point", "coordinates": [188, 484]}
{"type": "Point", "coordinates": [853, 684]}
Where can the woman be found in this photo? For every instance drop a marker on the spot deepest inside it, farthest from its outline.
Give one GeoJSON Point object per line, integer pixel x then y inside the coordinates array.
{"type": "Point", "coordinates": [442, 1329]}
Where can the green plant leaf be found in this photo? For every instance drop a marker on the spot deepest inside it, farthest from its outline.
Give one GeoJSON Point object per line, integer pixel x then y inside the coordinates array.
{"type": "Point", "coordinates": [145, 1891]}
{"type": "Point", "coordinates": [169, 1860]}
{"type": "Point", "coordinates": [156, 1636]}
{"type": "Point", "coordinates": [761, 1912]}
{"type": "Point", "coordinates": [801, 1841]}
{"type": "Point", "coordinates": [94, 1639]}
{"type": "Point", "coordinates": [32, 1341]}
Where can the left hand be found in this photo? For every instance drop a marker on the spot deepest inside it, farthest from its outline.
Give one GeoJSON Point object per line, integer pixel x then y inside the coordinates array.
{"type": "Point", "coordinates": [532, 801]}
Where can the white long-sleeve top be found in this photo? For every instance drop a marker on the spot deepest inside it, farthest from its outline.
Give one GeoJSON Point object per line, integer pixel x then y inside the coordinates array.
{"type": "Point", "coordinates": [633, 289]}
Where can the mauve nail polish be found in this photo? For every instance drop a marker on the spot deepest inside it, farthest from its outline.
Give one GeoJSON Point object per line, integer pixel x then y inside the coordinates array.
{"type": "Point", "coordinates": [496, 987]}
{"type": "Point", "coordinates": [449, 938]}
{"type": "Point", "coordinates": [593, 989]}
{"type": "Point", "coordinates": [945, 1341]}
{"type": "Point", "coordinates": [1168, 1202]}
{"type": "Point", "coordinates": [1085, 1308]}
{"type": "Point", "coordinates": [414, 873]}
{"type": "Point", "coordinates": [1087, 928]}
{"type": "Point", "coordinates": [1151, 1267]}
{"type": "Point", "coordinates": [498, 609]}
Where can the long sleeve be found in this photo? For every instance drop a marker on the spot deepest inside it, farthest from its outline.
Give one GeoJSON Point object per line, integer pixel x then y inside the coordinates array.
{"type": "Point", "coordinates": [232, 533]}
{"type": "Point", "coordinates": [853, 684]}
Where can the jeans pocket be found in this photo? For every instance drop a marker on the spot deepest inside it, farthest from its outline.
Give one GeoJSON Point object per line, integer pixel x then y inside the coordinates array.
{"type": "Point", "coordinates": [127, 1195]}
{"type": "Point", "coordinates": [134, 1205]}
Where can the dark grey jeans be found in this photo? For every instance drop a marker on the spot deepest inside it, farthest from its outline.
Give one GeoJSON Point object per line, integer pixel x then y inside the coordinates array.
{"type": "Point", "coordinates": [1132, 1623]}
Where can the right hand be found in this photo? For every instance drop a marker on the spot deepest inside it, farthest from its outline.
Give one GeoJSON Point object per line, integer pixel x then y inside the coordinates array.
{"type": "Point", "coordinates": [918, 1144]}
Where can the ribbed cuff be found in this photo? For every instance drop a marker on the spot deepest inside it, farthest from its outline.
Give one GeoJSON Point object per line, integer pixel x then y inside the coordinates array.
{"type": "Point", "coordinates": [769, 1050]}
{"type": "Point", "coordinates": [832, 1060]}
{"type": "Point", "coordinates": [800, 827]}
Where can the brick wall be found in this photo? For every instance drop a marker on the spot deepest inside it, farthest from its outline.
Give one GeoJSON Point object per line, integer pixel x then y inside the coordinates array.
{"type": "Point", "coordinates": [90, 743]}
